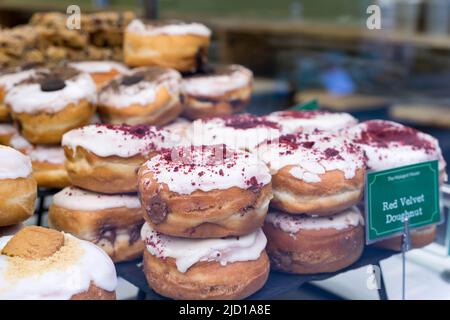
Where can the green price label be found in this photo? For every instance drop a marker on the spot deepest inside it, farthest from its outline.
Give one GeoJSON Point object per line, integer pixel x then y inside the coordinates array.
{"type": "Point", "coordinates": [391, 195]}
{"type": "Point", "coordinates": [310, 105]}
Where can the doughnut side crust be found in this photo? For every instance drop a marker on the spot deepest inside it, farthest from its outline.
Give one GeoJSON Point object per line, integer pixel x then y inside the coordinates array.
{"type": "Point", "coordinates": [17, 200]}
{"type": "Point", "coordinates": [420, 237]}
{"type": "Point", "coordinates": [206, 280]}
{"type": "Point", "coordinates": [180, 52]}
{"type": "Point", "coordinates": [332, 194]}
{"type": "Point", "coordinates": [102, 174]}
{"type": "Point", "coordinates": [101, 78]}
{"type": "Point", "coordinates": [4, 113]}
{"type": "Point", "coordinates": [313, 251]}
{"type": "Point", "coordinates": [95, 293]}
{"type": "Point", "coordinates": [45, 128]}
{"type": "Point", "coordinates": [217, 213]}
{"type": "Point", "coordinates": [50, 175]}
{"type": "Point", "coordinates": [115, 230]}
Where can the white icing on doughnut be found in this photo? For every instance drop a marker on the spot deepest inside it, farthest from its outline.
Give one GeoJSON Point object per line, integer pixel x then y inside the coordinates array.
{"type": "Point", "coordinates": [312, 154]}
{"type": "Point", "coordinates": [292, 121]}
{"type": "Point", "coordinates": [217, 84]}
{"type": "Point", "coordinates": [240, 131]}
{"type": "Point", "coordinates": [60, 281]}
{"type": "Point", "coordinates": [7, 129]}
{"type": "Point", "coordinates": [116, 95]}
{"type": "Point", "coordinates": [292, 223]}
{"type": "Point", "coordinates": [49, 154]}
{"type": "Point", "coordinates": [77, 199]}
{"type": "Point", "coordinates": [29, 98]}
{"type": "Point", "coordinates": [188, 252]}
{"type": "Point", "coordinates": [13, 164]}
{"type": "Point", "coordinates": [20, 143]}
{"type": "Point", "coordinates": [9, 80]}
{"type": "Point", "coordinates": [117, 140]}
{"type": "Point", "coordinates": [99, 66]}
{"type": "Point", "coordinates": [180, 129]}
{"type": "Point", "coordinates": [185, 170]}
{"type": "Point", "coordinates": [387, 144]}
{"type": "Point", "coordinates": [174, 29]}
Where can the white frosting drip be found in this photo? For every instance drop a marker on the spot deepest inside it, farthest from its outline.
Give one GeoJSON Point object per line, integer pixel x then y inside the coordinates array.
{"type": "Point", "coordinates": [175, 29]}
{"type": "Point", "coordinates": [293, 121]}
{"type": "Point", "coordinates": [13, 164]}
{"type": "Point", "coordinates": [77, 199]}
{"type": "Point", "coordinates": [20, 143]}
{"type": "Point", "coordinates": [141, 93]}
{"type": "Point", "coordinates": [50, 154]}
{"type": "Point", "coordinates": [215, 131]}
{"type": "Point", "coordinates": [312, 154]}
{"type": "Point", "coordinates": [188, 252]}
{"type": "Point", "coordinates": [234, 78]}
{"type": "Point", "coordinates": [395, 154]}
{"type": "Point", "coordinates": [106, 141]}
{"type": "Point", "coordinates": [9, 80]}
{"type": "Point", "coordinates": [99, 66]}
{"type": "Point", "coordinates": [294, 223]}
{"type": "Point", "coordinates": [7, 129]}
{"type": "Point", "coordinates": [200, 170]}
{"type": "Point", "coordinates": [29, 98]}
{"type": "Point", "coordinates": [62, 283]}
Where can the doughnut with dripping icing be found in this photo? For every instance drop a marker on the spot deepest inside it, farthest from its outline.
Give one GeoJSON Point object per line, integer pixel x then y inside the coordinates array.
{"type": "Point", "coordinates": [174, 44]}
{"type": "Point", "coordinates": [51, 103]}
{"type": "Point", "coordinates": [306, 245]}
{"type": "Point", "coordinates": [204, 192]}
{"type": "Point", "coordinates": [112, 222]}
{"type": "Point", "coordinates": [142, 96]}
{"type": "Point", "coordinates": [316, 172]}
{"type": "Point", "coordinates": [101, 71]}
{"type": "Point", "coordinates": [49, 170]}
{"type": "Point", "coordinates": [221, 92]}
{"type": "Point", "coordinates": [18, 189]}
{"type": "Point", "coordinates": [39, 263]}
{"type": "Point", "coordinates": [104, 157]}
{"type": "Point", "coordinates": [205, 269]}
{"type": "Point", "coordinates": [10, 136]}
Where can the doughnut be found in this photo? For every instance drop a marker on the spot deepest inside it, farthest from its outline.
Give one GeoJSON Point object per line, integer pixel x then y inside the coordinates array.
{"type": "Point", "coordinates": [239, 131]}
{"type": "Point", "coordinates": [48, 166]}
{"type": "Point", "coordinates": [143, 96]}
{"type": "Point", "coordinates": [18, 189]}
{"type": "Point", "coordinates": [387, 145]}
{"type": "Point", "coordinates": [173, 44]}
{"type": "Point", "coordinates": [39, 263]}
{"type": "Point", "coordinates": [316, 172]}
{"type": "Point", "coordinates": [100, 71]}
{"type": "Point", "coordinates": [292, 121]}
{"type": "Point", "coordinates": [112, 222]}
{"type": "Point", "coordinates": [221, 92]}
{"type": "Point", "coordinates": [10, 136]}
{"type": "Point", "coordinates": [204, 192]}
{"type": "Point", "coordinates": [304, 245]}
{"type": "Point", "coordinates": [205, 269]}
{"type": "Point", "coordinates": [104, 158]}
{"type": "Point", "coordinates": [51, 103]}
{"type": "Point", "coordinates": [9, 79]}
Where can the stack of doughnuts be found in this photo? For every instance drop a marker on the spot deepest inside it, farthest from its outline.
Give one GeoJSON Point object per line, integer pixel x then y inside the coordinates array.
{"type": "Point", "coordinates": [102, 206]}
{"type": "Point", "coordinates": [101, 71]}
{"type": "Point", "coordinates": [317, 179]}
{"type": "Point", "coordinates": [387, 145]}
{"type": "Point", "coordinates": [204, 207]}
{"type": "Point", "coordinates": [39, 263]}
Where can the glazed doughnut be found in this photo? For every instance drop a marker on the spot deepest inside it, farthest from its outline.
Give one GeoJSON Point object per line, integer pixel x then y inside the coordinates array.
{"type": "Point", "coordinates": [112, 222]}
{"type": "Point", "coordinates": [387, 145]}
{"type": "Point", "coordinates": [239, 131]}
{"type": "Point", "coordinates": [10, 136]}
{"type": "Point", "coordinates": [18, 189]}
{"type": "Point", "coordinates": [38, 263]}
{"type": "Point", "coordinates": [143, 96]}
{"type": "Point", "coordinates": [292, 121]}
{"type": "Point", "coordinates": [205, 269]}
{"type": "Point", "coordinates": [204, 192]}
{"type": "Point", "coordinates": [9, 79]}
{"type": "Point", "coordinates": [101, 71]}
{"type": "Point", "coordinates": [221, 92]}
{"type": "Point", "coordinates": [316, 172]}
{"type": "Point", "coordinates": [306, 245]}
{"type": "Point", "coordinates": [48, 166]}
{"type": "Point", "coordinates": [105, 158]}
{"type": "Point", "coordinates": [50, 103]}
{"type": "Point", "coordinates": [173, 44]}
